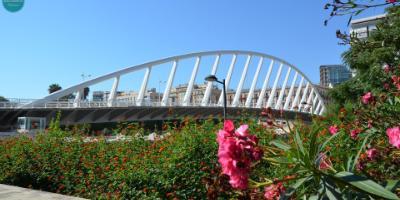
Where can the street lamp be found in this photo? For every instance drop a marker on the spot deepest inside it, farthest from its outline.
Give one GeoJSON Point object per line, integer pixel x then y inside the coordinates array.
{"type": "Point", "coordinates": [213, 78]}
{"type": "Point", "coordinates": [84, 76]}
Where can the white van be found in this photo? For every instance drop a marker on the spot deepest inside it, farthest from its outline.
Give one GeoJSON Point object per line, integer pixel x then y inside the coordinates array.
{"type": "Point", "coordinates": [31, 124]}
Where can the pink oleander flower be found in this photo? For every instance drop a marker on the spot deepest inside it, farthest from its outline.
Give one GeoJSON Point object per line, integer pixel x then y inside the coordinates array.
{"type": "Point", "coordinates": [242, 131]}
{"type": "Point", "coordinates": [257, 153]}
{"type": "Point", "coordinates": [372, 153]}
{"type": "Point", "coordinates": [354, 133]}
{"type": "Point", "coordinates": [370, 123]}
{"type": "Point", "coordinates": [274, 191]}
{"type": "Point", "coordinates": [391, 1]}
{"type": "Point", "coordinates": [229, 126]}
{"type": "Point", "coordinates": [394, 136]}
{"type": "Point", "coordinates": [396, 81]}
{"type": "Point", "coordinates": [324, 162]}
{"type": "Point", "coordinates": [360, 166]}
{"type": "Point", "coordinates": [386, 86]}
{"type": "Point", "coordinates": [367, 98]}
{"type": "Point", "coordinates": [386, 69]}
{"type": "Point", "coordinates": [236, 151]}
{"type": "Point", "coordinates": [221, 135]}
{"type": "Point", "coordinates": [333, 129]}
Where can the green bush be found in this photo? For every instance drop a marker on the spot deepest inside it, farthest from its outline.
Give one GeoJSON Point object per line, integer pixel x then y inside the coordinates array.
{"type": "Point", "coordinates": [183, 164]}
{"type": "Point", "coordinates": [168, 168]}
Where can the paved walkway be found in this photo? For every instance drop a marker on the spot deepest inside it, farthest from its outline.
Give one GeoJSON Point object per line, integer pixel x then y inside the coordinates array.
{"type": "Point", "coordinates": [18, 193]}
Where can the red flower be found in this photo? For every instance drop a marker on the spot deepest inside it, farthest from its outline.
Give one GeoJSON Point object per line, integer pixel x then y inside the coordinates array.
{"type": "Point", "coordinates": [396, 81]}
{"type": "Point", "coordinates": [324, 162]}
{"type": "Point", "coordinates": [386, 69]}
{"type": "Point", "coordinates": [394, 136]}
{"type": "Point", "coordinates": [370, 123]}
{"type": "Point", "coordinates": [229, 126]}
{"type": "Point", "coordinates": [242, 131]}
{"type": "Point", "coordinates": [367, 98]}
{"type": "Point", "coordinates": [274, 191]}
{"type": "Point", "coordinates": [237, 149]}
{"type": "Point", "coordinates": [386, 86]}
{"type": "Point", "coordinates": [391, 1]}
{"type": "Point", "coordinates": [354, 133]}
{"type": "Point", "coordinates": [372, 153]}
{"type": "Point", "coordinates": [333, 129]}
{"type": "Point", "coordinates": [61, 187]}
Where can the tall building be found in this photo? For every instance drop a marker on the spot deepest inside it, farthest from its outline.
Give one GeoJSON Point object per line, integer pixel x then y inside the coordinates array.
{"type": "Point", "coordinates": [331, 75]}
{"type": "Point", "coordinates": [361, 28]}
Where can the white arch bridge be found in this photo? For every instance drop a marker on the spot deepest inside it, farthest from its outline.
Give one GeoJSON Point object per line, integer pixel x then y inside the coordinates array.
{"type": "Point", "coordinates": [270, 81]}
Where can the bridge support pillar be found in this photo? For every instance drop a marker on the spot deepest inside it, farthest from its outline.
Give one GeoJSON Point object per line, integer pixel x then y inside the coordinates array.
{"type": "Point", "coordinates": [206, 97]}
{"type": "Point", "coordinates": [143, 87]}
{"type": "Point", "coordinates": [165, 98]}
{"type": "Point", "coordinates": [113, 92]}
{"type": "Point", "coordinates": [78, 98]}
{"type": "Point", "coordinates": [241, 82]}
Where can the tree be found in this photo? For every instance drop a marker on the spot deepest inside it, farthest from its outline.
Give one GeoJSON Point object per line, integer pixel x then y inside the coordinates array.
{"type": "Point", "coordinates": [354, 7]}
{"type": "Point", "coordinates": [369, 56]}
{"type": "Point", "coordinates": [86, 91]}
{"type": "Point", "coordinates": [54, 87]}
{"type": "Point", "coordinates": [3, 99]}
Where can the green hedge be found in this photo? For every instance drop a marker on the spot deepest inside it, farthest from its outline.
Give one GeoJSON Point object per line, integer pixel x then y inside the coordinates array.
{"type": "Point", "coordinates": [168, 168]}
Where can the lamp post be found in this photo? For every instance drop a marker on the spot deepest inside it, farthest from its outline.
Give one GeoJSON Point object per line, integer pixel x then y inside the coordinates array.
{"type": "Point", "coordinates": [84, 76]}
{"type": "Point", "coordinates": [213, 78]}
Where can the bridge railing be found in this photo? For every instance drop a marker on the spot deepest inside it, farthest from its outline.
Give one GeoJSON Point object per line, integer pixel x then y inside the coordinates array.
{"type": "Point", "coordinates": [15, 102]}
{"type": "Point", "coordinates": [70, 104]}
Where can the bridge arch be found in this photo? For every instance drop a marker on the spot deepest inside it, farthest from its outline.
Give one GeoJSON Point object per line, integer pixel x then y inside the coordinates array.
{"type": "Point", "coordinates": [289, 94]}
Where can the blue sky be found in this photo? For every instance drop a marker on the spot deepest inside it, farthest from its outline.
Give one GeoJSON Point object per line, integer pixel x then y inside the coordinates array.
{"type": "Point", "coordinates": [56, 41]}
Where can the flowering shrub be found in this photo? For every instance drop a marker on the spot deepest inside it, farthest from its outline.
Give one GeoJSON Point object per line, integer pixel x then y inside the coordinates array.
{"type": "Point", "coordinates": [132, 169]}
{"type": "Point", "coordinates": [237, 151]}
{"type": "Point", "coordinates": [182, 165]}
{"type": "Point", "coordinates": [360, 158]}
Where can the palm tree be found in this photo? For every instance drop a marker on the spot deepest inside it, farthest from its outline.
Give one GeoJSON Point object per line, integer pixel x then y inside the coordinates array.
{"type": "Point", "coordinates": [86, 91]}
{"type": "Point", "coordinates": [54, 87]}
{"type": "Point", "coordinates": [3, 99]}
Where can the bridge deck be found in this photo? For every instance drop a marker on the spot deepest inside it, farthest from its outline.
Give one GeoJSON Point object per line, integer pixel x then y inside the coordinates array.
{"type": "Point", "coordinates": [8, 117]}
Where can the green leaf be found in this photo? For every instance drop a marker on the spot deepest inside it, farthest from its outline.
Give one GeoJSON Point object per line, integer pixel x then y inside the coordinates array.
{"type": "Point", "coordinates": [332, 194]}
{"type": "Point", "coordinates": [397, 99]}
{"type": "Point", "coordinates": [280, 144]}
{"type": "Point", "coordinates": [281, 160]}
{"type": "Point", "coordinates": [327, 141]}
{"type": "Point", "coordinates": [298, 141]}
{"type": "Point", "coordinates": [292, 189]}
{"type": "Point", "coordinates": [300, 182]}
{"type": "Point", "coordinates": [349, 161]}
{"type": "Point", "coordinates": [365, 185]}
{"type": "Point", "coordinates": [358, 12]}
{"type": "Point", "coordinates": [313, 144]}
{"type": "Point", "coordinates": [359, 152]}
{"type": "Point", "coordinates": [392, 184]}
